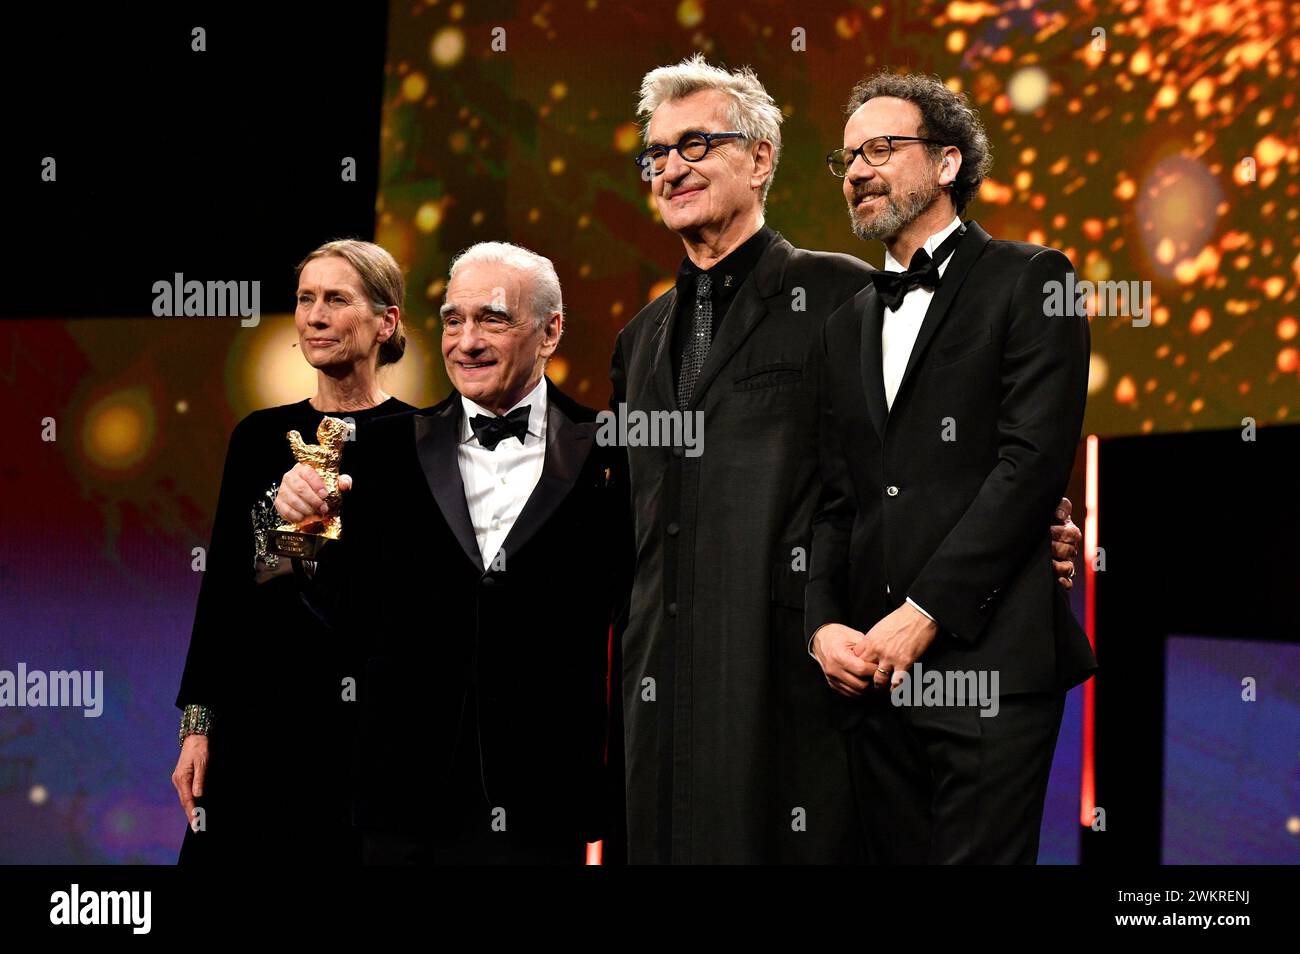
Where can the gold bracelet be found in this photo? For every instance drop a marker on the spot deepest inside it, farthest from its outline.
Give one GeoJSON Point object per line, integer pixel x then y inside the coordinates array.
{"type": "Point", "coordinates": [195, 720]}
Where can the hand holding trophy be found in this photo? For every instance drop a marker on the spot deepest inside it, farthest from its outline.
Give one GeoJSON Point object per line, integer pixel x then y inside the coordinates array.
{"type": "Point", "coordinates": [305, 539]}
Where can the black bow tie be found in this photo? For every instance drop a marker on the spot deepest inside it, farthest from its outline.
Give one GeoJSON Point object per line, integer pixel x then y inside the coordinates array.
{"type": "Point", "coordinates": [491, 431]}
{"type": "Point", "coordinates": [923, 271]}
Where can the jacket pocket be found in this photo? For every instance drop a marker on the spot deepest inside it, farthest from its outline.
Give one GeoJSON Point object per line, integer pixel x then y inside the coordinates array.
{"type": "Point", "coordinates": [959, 350]}
{"type": "Point", "coordinates": [768, 376]}
{"type": "Point", "coordinates": [788, 584]}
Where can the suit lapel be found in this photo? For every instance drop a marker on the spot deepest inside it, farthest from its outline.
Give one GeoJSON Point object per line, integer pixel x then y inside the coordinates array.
{"type": "Point", "coordinates": [872, 309]}
{"type": "Point", "coordinates": [968, 250]}
{"type": "Point", "coordinates": [437, 436]}
{"type": "Point", "coordinates": [743, 316]}
{"type": "Point", "coordinates": [568, 444]}
{"type": "Point", "coordinates": [661, 370]}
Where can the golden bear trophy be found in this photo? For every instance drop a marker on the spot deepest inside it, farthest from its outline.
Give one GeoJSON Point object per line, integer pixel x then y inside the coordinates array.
{"type": "Point", "coordinates": [305, 540]}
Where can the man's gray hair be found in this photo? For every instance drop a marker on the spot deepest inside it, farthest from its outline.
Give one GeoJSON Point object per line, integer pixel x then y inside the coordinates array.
{"type": "Point", "coordinates": [752, 110]}
{"type": "Point", "coordinates": [546, 299]}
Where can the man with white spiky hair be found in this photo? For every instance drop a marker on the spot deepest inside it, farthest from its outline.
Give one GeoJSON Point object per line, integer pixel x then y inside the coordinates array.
{"type": "Point", "coordinates": [736, 759]}
{"type": "Point", "coordinates": [732, 752]}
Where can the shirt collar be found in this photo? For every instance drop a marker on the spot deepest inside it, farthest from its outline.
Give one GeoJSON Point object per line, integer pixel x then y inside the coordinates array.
{"type": "Point", "coordinates": [535, 399]}
{"type": "Point", "coordinates": [729, 273]}
{"type": "Point", "coordinates": [933, 242]}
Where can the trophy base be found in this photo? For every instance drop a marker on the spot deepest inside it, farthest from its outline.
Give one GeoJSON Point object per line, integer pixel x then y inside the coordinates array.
{"type": "Point", "coordinates": [293, 543]}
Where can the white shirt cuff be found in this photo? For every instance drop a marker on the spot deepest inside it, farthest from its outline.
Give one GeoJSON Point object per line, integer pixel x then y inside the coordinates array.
{"type": "Point", "coordinates": [921, 609]}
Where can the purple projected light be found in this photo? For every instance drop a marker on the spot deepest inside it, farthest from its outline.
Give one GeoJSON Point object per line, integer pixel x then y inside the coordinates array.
{"type": "Point", "coordinates": [1232, 766]}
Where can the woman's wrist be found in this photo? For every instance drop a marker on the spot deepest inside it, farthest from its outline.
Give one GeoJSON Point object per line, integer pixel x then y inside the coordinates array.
{"type": "Point", "coordinates": [195, 720]}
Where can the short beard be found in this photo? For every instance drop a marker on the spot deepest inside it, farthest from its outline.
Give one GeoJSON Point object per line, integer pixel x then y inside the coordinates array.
{"type": "Point", "coordinates": [895, 216]}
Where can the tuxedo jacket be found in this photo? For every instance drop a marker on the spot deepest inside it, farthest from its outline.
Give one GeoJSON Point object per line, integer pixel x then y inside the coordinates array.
{"type": "Point", "coordinates": [509, 659]}
{"type": "Point", "coordinates": [740, 731]}
{"type": "Point", "coordinates": [944, 497]}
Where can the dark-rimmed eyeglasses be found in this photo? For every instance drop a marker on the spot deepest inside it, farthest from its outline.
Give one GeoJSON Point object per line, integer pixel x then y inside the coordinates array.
{"type": "Point", "coordinates": [693, 146]}
{"type": "Point", "coordinates": [876, 151]}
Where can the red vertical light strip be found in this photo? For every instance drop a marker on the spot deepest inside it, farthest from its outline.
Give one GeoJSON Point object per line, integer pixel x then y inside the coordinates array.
{"type": "Point", "coordinates": [595, 849]}
{"type": "Point", "coordinates": [1087, 775]}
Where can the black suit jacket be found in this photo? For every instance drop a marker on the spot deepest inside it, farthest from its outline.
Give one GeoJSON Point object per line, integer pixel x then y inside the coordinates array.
{"type": "Point", "coordinates": [510, 660]}
{"type": "Point", "coordinates": [740, 736]}
{"type": "Point", "coordinates": [957, 524]}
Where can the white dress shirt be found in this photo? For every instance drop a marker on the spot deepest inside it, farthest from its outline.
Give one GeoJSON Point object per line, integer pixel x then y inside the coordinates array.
{"type": "Point", "coordinates": [499, 482]}
{"type": "Point", "coordinates": [902, 324]}
{"type": "Point", "coordinates": [898, 335]}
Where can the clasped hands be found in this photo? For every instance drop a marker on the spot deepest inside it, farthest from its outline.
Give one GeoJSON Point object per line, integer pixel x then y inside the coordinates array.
{"type": "Point", "coordinates": [854, 661]}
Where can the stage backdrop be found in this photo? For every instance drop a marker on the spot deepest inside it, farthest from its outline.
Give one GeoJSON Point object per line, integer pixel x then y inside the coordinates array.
{"type": "Point", "coordinates": [1153, 142]}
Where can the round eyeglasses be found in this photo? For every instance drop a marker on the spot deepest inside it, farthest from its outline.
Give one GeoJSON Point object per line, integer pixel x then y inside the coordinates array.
{"type": "Point", "coordinates": [876, 151]}
{"type": "Point", "coordinates": [693, 146]}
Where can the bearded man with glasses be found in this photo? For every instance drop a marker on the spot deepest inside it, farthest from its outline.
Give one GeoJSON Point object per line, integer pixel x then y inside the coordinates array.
{"type": "Point", "coordinates": [952, 398]}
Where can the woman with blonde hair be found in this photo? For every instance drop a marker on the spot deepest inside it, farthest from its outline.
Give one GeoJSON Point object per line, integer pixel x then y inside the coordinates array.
{"type": "Point", "coordinates": [266, 725]}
